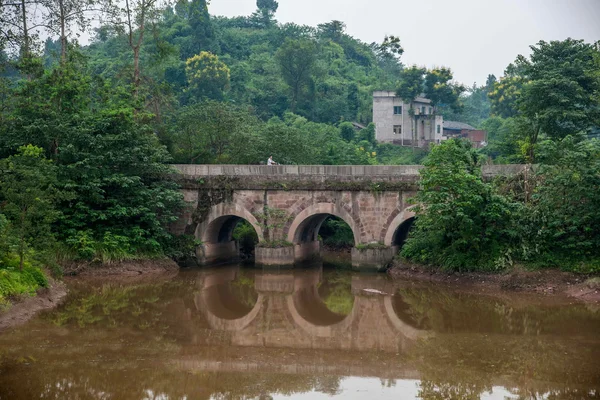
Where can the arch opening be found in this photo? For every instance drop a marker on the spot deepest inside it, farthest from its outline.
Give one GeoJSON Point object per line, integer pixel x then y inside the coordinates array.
{"type": "Point", "coordinates": [326, 229]}
{"type": "Point", "coordinates": [229, 237]}
{"type": "Point", "coordinates": [336, 234]}
{"type": "Point", "coordinates": [401, 233]}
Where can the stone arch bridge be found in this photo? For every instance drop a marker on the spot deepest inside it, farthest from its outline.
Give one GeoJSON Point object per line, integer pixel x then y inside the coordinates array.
{"type": "Point", "coordinates": [286, 205]}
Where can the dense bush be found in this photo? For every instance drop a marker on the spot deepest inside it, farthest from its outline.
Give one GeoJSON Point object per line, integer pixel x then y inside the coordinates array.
{"type": "Point", "coordinates": [15, 282]}
{"type": "Point", "coordinates": [462, 222]}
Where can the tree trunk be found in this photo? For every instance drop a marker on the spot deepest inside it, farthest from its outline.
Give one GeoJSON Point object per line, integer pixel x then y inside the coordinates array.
{"type": "Point", "coordinates": [25, 49]}
{"type": "Point", "coordinates": [136, 71]}
{"type": "Point", "coordinates": [63, 35]}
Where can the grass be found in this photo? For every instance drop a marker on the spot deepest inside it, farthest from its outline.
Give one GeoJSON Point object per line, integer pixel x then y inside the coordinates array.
{"type": "Point", "coordinates": [15, 282]}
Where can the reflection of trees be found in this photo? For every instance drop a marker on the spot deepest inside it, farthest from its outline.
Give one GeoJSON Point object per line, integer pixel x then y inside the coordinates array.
{"type": "Point", "coordinates": [459, 365]}
{"type": "Point", "coordinates": [443, 310]}
{"type": "Point", "coordinates": [429, 390]}
{"type": "Point", "coordinates": [113, 304]}
{"type": "Point", "coordinates": [336, 291]}
{"type": "Point", "coordinates": [243, 288]}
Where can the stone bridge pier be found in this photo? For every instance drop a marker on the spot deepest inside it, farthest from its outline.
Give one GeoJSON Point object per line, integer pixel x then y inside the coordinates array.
{"type": "Point", "coordinates": [286, 206]}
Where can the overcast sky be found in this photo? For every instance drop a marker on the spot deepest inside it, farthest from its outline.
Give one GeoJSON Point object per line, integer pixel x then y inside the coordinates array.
{"type": "Point", "coordinates": [472, 37]}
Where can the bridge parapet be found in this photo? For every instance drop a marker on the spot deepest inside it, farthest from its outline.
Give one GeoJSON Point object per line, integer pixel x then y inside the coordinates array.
{"type": "Point", "coordinates": [368, 171]}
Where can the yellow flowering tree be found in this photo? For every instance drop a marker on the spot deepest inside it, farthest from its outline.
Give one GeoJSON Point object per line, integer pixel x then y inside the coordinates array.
{"type": "Point", "coordinates": [207, 76]}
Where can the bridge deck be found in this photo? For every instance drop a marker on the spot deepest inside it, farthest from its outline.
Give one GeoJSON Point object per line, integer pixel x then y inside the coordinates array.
{"type": "Point", "coordinates": [193, 170]}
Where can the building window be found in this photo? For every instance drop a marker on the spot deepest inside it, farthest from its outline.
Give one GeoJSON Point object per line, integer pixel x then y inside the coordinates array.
{"type": "Point", "coordinates": [398, 129]}
{"type": "Point", "coordinates": [430, 110]}
{"type": "Point", "coordinates": [423, 110]}
{"type": "Point", "coordinates": [439, 128]}
{"type": "Point", "coordinates": [397, 110]}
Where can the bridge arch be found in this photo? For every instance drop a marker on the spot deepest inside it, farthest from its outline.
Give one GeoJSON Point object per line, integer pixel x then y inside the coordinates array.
{"type": "Point", "coordinates": [398, 228]}
{"type": "Point", "coordinates": [220, 223]}
{"type": "Point", "coordinates": [216, 232]}
{"type": "Point", "coordinates": [305, 226]}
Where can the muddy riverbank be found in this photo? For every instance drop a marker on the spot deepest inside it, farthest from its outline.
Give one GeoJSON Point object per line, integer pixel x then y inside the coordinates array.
{"type": "Point", "coordinates": [25, 308]}
{"type": "Point", "coordinates": [545, 282]}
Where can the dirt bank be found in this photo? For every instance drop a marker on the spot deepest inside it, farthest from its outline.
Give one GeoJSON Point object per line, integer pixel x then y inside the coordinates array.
{"type": "Point", "coordinates": [26, 308]}
{"type": "Point", "coordinates": [547, 282]}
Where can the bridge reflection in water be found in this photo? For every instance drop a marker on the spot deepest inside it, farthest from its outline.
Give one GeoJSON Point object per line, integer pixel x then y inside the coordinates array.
{"type": "Point", "coordinates": [290, 312]}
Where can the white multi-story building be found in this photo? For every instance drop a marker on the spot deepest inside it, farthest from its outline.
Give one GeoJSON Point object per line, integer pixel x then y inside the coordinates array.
{"type": "Point", "coordinates": [406, 124]}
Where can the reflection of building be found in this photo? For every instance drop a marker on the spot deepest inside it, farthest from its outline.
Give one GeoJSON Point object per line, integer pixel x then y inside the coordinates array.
{"type": "Point", "coordinates": [453, 129]}
{"type": "Point", "coordinates": [406, 124]}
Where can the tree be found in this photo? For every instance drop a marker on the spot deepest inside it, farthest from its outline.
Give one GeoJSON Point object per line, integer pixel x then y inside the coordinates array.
{"type": "Point", "coordinates": [207, 76]}
{"type": "Point", "coordinates": [333, 30]}
{"type": "Point", "coordinates": [27, 188]}
{"type": "Point", "coordinates": [60, 14]}
{"type": "Point", "coordinates": [462, 223]}
{"type": "Point", "coordinates": [264, 15]}
{"type": "Point", "coordinates": [563, 217]}
{"type": "Point", "coordinates": [440, 89]}
{"type": "Point", "coordinates": [212, 132]}
{"type": "Point", "coordinates": [347, 131]}
{"type": "Point", "coordinates": [411, 83]}
{"type": "Point", "coordinates": [560, 97]}
{"type": "Point", "coordinates": [132, 19]}
{"type": "Point", "coordinates": [506, 92]}
{"type": "Point", "coordinates": [296, 59]}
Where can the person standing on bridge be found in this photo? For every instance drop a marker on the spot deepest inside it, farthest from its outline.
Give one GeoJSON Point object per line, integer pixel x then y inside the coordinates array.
{"type": "Point", "coordinates": [271, 162]}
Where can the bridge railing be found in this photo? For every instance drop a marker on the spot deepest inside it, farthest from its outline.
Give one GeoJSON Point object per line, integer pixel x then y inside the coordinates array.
{"type": "Point", "coordinates": [321, 170]}
{"type": "Point", "coordinates": [328, 170]}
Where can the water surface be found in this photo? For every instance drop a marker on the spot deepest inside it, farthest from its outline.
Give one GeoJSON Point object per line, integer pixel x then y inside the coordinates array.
{"type": "Point", "coordinates": [316, 333]}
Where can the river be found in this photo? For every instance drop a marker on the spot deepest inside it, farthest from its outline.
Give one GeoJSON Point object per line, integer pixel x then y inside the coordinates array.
{"type": "Point", "coordinates": [232, 332]}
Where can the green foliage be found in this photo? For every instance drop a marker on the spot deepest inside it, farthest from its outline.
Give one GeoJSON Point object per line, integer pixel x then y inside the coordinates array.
{"type": "Point", "coordinates": [347, 131]}
{"type": "Point", "coordinates": [411, 83]}
{"type": "Point", "coordinates": [207, 76]}
{"type": "Point", "coordinates": [564, 217]}
{"type": "Point", "coordinates": [462, 223]}
{"type": "Point", "coordinates": [274, 244]}
{"type": "Point", "coordinates": [336, 233]}
{"type": "Point", "coordinates": [28, 193]}
{"type": "Point", "coordinates": [106, 159]}
{"type": "Point", "coordinates": [18, 279]}
{"type": "Point", "coordinates": [246, 237]}
{"type": "Point", "coordinates": [296, 59]}
{"type": "Point", "coordinates": [562, 89]}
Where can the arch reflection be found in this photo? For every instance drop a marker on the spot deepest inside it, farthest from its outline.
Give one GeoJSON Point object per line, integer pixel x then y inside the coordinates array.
{"type": "Point", "coordinates": [305, 309]}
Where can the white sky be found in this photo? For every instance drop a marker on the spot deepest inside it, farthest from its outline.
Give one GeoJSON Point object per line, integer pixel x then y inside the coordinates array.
{"type": "Point", "coordinates": [472, 37]}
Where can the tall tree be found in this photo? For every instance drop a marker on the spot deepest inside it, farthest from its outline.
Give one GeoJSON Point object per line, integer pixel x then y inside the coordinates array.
{"type": "Point", "coordinates": [27, 188]}
{"type": "Point", "coordinates": [562, 89]}
{"type": "Point", "coordinates": [265, 13]}
{"type": "Point", "coordinates": [296, 59]}
{"type": "Point", "coordinates": [333, 30]}
{"type": "Point", "coordinates": [20, 23]}
{"type": "Point", "coordinates": [132, 18]}
{"type": "Point", "coordinates": [440, 89]}
{"type": "Point", "coordinates": [61, 14]}
{"type": "Point", "coordinates": [207, 76]}
{"type": "Point", "coordinates": [411, 83]}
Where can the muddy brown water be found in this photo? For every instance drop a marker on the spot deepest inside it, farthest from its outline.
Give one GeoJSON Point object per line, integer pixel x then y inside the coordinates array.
{"type": "Point", "coordinates": [314, 333]}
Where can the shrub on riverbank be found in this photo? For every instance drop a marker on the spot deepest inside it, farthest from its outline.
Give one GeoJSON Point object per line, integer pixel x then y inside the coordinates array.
{"type": "Point", "coordinates": [462, 222]}
{"type": "Point", "coordinates": [550, 218]}
{"type": "Point", "coordinates": [15, 282]}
